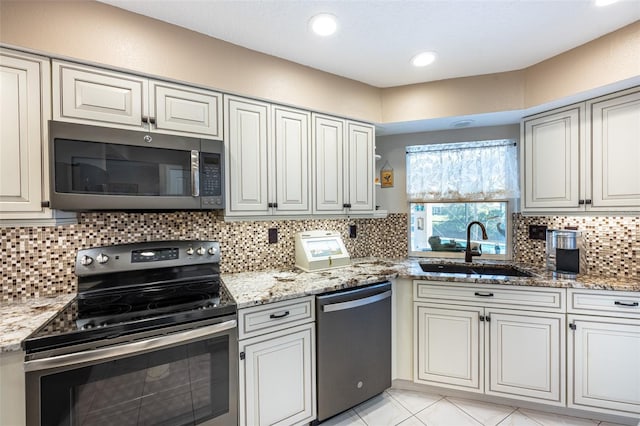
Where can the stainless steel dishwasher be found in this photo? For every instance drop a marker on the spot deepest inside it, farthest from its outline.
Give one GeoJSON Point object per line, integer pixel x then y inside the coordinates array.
{"type": "Point", "coordinates": [353, 347]}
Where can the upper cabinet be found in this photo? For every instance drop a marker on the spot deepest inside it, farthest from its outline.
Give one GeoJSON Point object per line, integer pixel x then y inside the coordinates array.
{"type": "Point", "coordinates": [583, 157]}
{"type": "Point", "coordinates": [25, 105]}
{"type": "Point", "coordinates": [95, 96]}
{"type": "Point", "coordinates": [343, 161]}
{"type": "Point", "coordinates": [267, 154]}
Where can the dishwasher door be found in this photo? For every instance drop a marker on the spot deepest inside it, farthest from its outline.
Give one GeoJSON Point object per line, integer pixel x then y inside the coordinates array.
{"type": "Point", "coordinates": [353, 347]}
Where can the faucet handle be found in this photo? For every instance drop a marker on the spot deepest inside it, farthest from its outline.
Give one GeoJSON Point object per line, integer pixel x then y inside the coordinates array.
{"type": "Point", "coordinates": [476, 249]}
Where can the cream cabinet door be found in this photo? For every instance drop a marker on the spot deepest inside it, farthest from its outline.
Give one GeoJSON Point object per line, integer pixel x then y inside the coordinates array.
{"type": "Point", "coordinates": [277, 378]}
{"type": "Point", "coordinates": [551, 161]}
{"type": "Point", "coordinates": [328, 162]}
{"type": "Point", "coordinates": [100, 97]}
{"type": "Point", "coordinates": [291, 140]}
{"type": "Point", "coordinates": [604, 364]}
{"type": "Point", "coordinates": [361, 167]}
{"type": "Point", "coordinates": [448, 350]}
{"type": "Point", "coordinates": [186, 110]}
{"type": "Point", "coordinates": [24, 103]}
{"type": "Point", "coordinates": [526, 355]}
{"type": "Point", "coordinates": [246, 156]}
{"type": "Point", "coordinates": [615, 133]}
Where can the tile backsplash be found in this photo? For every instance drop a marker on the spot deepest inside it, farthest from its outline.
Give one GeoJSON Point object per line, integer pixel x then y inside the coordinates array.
{"type": "Point", "coordinates": [612, 243]}
{"type": "Point", "coordinates": [38, 261]}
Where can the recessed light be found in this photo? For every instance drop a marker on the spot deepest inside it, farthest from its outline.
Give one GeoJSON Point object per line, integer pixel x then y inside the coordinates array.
{"type": "Point", "coordinates": [423, 59]}
{"type": "Point", "coordinates": [602, 3]}
{"type": "Point", "coordinates": [324, 24]}
{"type": "Point", "coordinates": [462, 123]}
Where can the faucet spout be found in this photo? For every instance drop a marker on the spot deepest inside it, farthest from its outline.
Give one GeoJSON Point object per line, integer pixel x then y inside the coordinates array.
{"type": "Point", "coordinates": [468, 253]}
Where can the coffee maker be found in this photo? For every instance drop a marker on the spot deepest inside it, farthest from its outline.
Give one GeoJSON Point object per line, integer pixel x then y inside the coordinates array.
{"type": "Point", "coordinates": [565, 252]}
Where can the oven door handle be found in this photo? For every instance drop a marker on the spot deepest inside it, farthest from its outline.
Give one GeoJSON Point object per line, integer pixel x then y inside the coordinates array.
{"type": "Point", "coordinates": [113, 352]}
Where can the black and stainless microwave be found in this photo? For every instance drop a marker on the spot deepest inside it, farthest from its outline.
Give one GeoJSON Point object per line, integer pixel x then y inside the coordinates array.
{"type": "Point", "coordinates": [101, 168]}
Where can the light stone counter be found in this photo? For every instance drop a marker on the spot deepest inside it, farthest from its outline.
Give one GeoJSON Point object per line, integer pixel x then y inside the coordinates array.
{"type": "Point", "coordinates": [19, 319]}
{"type": "Point", "coordinates": [255, 288]}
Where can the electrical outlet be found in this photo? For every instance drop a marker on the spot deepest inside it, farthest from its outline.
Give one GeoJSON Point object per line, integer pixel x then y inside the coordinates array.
{"type": "Point", "coordinates": [537, 232]}
{"type": "Point", "coordinates": [273, 235]}
{"type": "Point", "coordinates": [353, 231]}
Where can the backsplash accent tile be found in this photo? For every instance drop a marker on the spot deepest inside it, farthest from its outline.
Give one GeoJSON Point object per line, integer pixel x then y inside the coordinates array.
{"type": "Point", "coordinates": [38, 261]}
{"type": "Point", "coordinates": [612, 243]}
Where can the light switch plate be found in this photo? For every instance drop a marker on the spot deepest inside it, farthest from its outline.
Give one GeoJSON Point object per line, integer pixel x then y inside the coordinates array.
{"type": "Point", "coordinates": [273, 235]}
{"type": "Point", "coordinates": [537, 232]}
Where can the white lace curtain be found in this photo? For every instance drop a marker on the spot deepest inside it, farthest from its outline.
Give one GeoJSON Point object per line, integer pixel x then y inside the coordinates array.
{"type": "Point", "coordinates": [466, 171]}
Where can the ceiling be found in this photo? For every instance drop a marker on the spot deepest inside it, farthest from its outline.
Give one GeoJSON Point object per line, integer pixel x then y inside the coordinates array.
{"type": "Point", "coordinates": [376, 39]}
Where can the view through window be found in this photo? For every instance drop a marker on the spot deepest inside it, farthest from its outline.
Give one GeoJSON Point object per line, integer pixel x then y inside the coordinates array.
{"type": "Point", "coordinates": [442, 227]}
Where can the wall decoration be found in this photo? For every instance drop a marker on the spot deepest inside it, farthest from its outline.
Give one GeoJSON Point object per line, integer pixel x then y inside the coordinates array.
{"type": "Point", "coordinates": [386, 175]}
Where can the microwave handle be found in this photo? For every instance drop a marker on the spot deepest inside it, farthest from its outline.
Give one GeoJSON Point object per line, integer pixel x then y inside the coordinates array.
{"type": "Point", "coordinates": [195, 173]}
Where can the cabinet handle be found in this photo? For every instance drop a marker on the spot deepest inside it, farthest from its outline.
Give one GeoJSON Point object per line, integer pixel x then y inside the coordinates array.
{"type": "Point", "coordinates": [477, 293]}
{"type": "Point", "coordinates": [487, 318]}
{"type": "Point", "coordinates": [152, 120]}
{"type": "Point", "coordinates": [145, 119]}
{"type": "Point", "coordinates": [587, 201]}
{"type": "Point", "coordinates": [572, 326]}
{"type": "Point", "coordinates": [346, 205]}
{"type": "Point", "coordinates": [481, 317]}
{"type": "Point", "coordinates": [45, 204]}
{"type": "Point", "coordinates": [580, 202]}
{"type": "Point", "coordinates": [274, 316]}
{"type": "Point", "coordinates": [629, 304]}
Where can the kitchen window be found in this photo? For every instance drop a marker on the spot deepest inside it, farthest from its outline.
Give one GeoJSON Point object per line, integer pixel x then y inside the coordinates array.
{"type": "Point", "coordinates": [450, 185]}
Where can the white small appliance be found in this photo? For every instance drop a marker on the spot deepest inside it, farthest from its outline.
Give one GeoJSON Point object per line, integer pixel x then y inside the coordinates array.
{"type": "Point", "coordinates": [318, 250]}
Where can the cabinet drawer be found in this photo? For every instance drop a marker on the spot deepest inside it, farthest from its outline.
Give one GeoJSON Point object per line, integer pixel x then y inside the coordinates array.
{"type": "Point", "coordinates": [600, 302]}
{"type": "Point", "coordinates": [552, 299]}
{"type": "Point", "coordinates": [275, 316]}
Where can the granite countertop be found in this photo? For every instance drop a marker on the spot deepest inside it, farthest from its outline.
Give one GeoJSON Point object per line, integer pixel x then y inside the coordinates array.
{"type": "Point", "coordinates": [19, 319]}
{"type": "Point", "coordinates": [255, 288]}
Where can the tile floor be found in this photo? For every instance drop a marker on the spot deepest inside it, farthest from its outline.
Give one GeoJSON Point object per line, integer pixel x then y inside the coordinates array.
{"type": "Point", "coordinates": [411, 408]}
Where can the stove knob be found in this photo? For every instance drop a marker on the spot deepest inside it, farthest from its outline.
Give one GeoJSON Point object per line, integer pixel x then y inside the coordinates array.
{"type": "Point", "coordinates": [102, 258]}
{"type": "Point", "coordinates": [212, 250]}
{"type": "Point", "coordinates": [200, 251]}
{"type": "Point", "coordinates": [86, 260]}
{"type": "Point", "coordinates": [189, 251]}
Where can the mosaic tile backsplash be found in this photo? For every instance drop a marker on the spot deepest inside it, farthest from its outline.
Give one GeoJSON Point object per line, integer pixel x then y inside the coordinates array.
{"type": "Point", "coordinates": [38, 261]}
{"type": "Point", "coordinates": [612, 243]}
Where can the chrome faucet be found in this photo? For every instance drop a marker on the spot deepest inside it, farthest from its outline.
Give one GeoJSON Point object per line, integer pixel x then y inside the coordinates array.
{"type": "Point", "coordinates": [468, 253]}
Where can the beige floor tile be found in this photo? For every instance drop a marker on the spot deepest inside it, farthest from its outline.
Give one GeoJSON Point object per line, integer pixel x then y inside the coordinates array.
{"type": "Point", "coordinates": [518, 419]}
{"type": "Point", "coordinates": [412, 400]}
{"type": "Point", "coordinates": [444, 413]}
{"type": "Point", "coordinates": [548, 419]}
{"type": "Point", "coordinates": [412, 421]}
{"type": "Point", "coordinates": [486, 413]}
{"type": "Point", "coordinates": [348, 418]}
{"type": "Point", "coordinates": [382, 410]}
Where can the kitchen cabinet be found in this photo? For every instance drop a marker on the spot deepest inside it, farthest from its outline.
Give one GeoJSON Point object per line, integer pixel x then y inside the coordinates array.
{"type": "Point", "coordinates": [12, 388]}
{"type": "Point", "coordinates": [603, 352]}
{"type": "Point", "coordinates": [478, 338]}
{"type": "Point", "coordinates": [267, 154]}
{"type": "Point", "coordinates": [277, 363]}
{"type": "Point", "coordinates": [582, 157]}
{"type": "Point", "coordinates": [343, 166]}
{"type": "Point", "coordinates": [89, 95]}
{"type": "Point", "coordinates": [25, 105]}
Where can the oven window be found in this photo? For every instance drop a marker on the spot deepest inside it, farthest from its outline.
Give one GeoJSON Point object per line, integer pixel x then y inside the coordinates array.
{"type": "Point", "coordinates": [183, 385]}
{"type": "Point", "coordinates": [103, 168]}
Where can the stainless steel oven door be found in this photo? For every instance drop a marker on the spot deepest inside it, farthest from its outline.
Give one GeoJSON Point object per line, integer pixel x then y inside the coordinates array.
{"type": "Point", "coordinates": [185, 378]}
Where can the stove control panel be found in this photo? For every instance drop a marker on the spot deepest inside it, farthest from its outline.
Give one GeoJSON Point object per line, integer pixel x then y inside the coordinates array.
{"type": "Point", "coordinates": [148, 255]}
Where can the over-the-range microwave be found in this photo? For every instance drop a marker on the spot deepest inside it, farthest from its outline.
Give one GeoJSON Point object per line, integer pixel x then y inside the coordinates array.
{"type": "Point", "coordinates": [102, 168]}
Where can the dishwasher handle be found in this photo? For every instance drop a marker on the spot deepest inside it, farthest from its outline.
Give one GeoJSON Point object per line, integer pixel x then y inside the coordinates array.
{"type": "Point", "coordinates": [341, 306]}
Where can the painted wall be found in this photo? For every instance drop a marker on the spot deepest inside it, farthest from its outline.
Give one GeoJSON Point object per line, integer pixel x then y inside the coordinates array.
{"type": "Point", "coordinates": [102, 34]}
{"type": "Point", "coordinates": [392, 150]}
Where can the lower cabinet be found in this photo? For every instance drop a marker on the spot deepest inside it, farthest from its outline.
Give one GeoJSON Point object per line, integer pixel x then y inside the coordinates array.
{"type": "Point", "coordinates": [277, 365]}
{"type": "Point", "coordinates": [512, 353]}
{"type": "Point", "coordinates": [604, 352]}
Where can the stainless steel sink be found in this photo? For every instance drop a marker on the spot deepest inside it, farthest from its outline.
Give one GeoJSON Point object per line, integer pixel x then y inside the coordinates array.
{"type": "Point", "coordinates": [450, 268]}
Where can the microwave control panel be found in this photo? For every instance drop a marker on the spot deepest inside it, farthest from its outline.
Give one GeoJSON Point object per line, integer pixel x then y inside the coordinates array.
{"type": "Point", "coordinates": [211, 180]}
